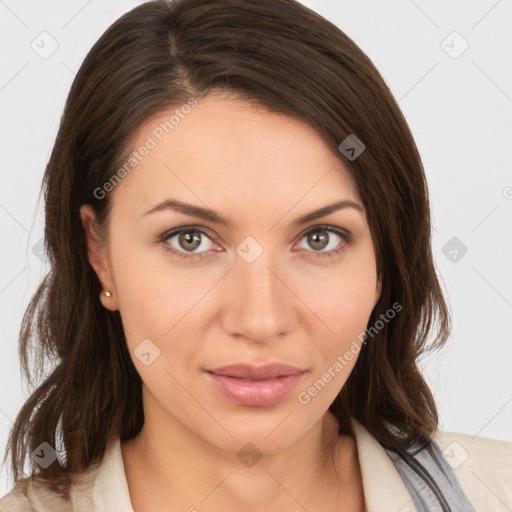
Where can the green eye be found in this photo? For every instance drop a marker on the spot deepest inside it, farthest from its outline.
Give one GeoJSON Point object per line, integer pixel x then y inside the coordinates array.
{"type": "Point", "coordinates": [190, 238]}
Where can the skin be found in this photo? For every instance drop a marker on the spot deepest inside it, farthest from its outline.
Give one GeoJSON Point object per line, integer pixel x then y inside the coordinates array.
{"type": "Point", "coordinates": [261, 170]}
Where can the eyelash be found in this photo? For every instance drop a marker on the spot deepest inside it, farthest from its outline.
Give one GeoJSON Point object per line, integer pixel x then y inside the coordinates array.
{"type": "Point", "coordinates": [344, 235]}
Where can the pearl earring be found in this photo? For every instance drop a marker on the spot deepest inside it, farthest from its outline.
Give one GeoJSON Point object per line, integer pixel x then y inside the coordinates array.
{"type": "Point", "coordinates": [107, 294]}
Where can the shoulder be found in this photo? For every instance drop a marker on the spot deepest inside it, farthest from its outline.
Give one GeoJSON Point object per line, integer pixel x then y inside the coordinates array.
{"type": "Point", "coordinates": [16, 499]}
{"type": "Point", "coordinates": [30, 495]}
{"type": "Point", "coordinates": [483, 467]}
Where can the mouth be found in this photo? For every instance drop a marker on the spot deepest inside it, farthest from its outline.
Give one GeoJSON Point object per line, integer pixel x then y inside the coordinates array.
{"type": "Point", "coordinates": [253, 386]}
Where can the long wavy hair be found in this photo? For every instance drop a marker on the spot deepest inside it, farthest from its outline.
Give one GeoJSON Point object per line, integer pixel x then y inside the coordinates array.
{"type": "Point", "coordinates": [282, 56]}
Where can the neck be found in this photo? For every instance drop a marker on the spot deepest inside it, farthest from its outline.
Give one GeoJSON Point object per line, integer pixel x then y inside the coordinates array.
{"type": "Point", "coordinates": [168, 464]}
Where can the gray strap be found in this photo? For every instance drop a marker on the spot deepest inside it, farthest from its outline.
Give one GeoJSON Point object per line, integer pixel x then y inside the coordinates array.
{"type": "Point", "coordinates": [436, 465]}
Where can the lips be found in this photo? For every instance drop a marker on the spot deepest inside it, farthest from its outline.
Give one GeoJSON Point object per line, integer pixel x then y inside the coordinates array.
{"type": "Point", "coordinates": [251, 372]}
{"type": "Point", "coordinates": [255, 386]}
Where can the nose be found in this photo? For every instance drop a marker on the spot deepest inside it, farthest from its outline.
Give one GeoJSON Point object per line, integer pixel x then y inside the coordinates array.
{"type": "Point", "coordinates": [259, 306]}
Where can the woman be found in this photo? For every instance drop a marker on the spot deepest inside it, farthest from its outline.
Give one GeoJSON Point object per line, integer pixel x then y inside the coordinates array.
{"type": "Point", "coordinates": [242, 282]}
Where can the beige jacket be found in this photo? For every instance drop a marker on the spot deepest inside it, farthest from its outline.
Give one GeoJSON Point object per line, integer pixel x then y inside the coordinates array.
{"type": "Point", "coordinates": [482, 466]}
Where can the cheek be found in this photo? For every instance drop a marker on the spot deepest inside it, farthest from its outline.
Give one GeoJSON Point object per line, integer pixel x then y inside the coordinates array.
{"type": "Point", "coordinates": [347, 300]}
{"type": "Point", "coordinates": [344, 308]}
{"type": "Point", "coordinates": [147, 297]}
{"type": "Point", "coordinates": [344, 305]}
{"type": "Point", "coordinates": [158, 301]}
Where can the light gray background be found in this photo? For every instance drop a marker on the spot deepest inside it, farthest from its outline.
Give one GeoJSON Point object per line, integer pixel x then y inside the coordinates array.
{"type": "Point", "coordinates": [458, 107]}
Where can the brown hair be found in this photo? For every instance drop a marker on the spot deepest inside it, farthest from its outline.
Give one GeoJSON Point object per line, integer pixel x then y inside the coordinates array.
{"type": "Point", "coordinates": [286, 58]}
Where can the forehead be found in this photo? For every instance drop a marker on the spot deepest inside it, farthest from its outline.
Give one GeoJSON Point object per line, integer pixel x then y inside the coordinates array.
{"type": "Point", "coordinates": [225, 150]}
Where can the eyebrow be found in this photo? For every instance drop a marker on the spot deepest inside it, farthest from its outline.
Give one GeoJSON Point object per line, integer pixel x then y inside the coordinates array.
{"type": "Point", "coordinates": [212, 216]}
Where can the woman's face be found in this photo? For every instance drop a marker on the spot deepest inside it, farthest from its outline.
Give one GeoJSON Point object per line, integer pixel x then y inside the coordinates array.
{"type": "Point", "coordinates": [267, 288]}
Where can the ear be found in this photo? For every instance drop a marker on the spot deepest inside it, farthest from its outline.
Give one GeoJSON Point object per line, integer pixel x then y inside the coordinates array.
{"type": "Point", "coordinates": [98, 256]}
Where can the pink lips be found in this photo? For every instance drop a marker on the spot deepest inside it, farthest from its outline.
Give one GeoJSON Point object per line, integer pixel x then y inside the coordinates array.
{"type": "Point", "coordinates": [255, 386]}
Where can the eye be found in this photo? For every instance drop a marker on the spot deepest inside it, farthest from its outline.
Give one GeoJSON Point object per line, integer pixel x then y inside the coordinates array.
{"type": "Point", "coordinates": [191, 242]}
{"type": "Point", "coordinates": [320, 238]}
{"type": "Point", "coordinates": [186, 242]}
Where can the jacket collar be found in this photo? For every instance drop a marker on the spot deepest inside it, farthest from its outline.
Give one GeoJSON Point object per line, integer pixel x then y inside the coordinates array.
{"type": "Point", "coordinates": [384, 489]}
{"type": "Point", "coordinates": [383, 486]}
{"type": "Point", "coordinates": [110, 492]}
